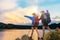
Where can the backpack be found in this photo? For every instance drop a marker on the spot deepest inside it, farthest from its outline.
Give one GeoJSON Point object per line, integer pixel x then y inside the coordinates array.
{"type": "Point", "coordinates": [47, 17]}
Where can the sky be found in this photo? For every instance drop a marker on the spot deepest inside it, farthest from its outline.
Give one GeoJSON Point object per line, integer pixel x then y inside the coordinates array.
{"type": "Point", "coordinates": [13, 11]}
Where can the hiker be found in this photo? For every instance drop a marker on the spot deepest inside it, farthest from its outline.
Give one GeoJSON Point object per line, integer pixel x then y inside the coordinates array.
{"type": "Point", "coordinates": [45, 19]}
{"type": "Point", "coordinates": [35, 23]}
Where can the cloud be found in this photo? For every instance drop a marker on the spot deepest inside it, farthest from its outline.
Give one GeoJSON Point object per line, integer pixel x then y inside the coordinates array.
{"type": "Point", "coordinates": [11, 13]}
{"type": "Point", "coordinates": [17, 16]}
{"type": "Point", "coordinates": [7, 4]}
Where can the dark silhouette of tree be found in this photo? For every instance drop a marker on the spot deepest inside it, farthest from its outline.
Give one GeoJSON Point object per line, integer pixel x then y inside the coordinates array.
{"type": "Point", "coordinates": [13, 26]}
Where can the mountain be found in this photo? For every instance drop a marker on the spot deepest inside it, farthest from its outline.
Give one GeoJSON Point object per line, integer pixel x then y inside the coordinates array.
{"type": "Point", "coordinates": [56, 17]}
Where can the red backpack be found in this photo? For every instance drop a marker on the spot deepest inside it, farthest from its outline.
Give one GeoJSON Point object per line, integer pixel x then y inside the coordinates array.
{"type": "Point", "coordinates": [36, 20]}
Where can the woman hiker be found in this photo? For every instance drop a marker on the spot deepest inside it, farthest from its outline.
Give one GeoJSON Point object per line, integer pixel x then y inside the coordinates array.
{"type": "Point", "coordinates": [35, 23]}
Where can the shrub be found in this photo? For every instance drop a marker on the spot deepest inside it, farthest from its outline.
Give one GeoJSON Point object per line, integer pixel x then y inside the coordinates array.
{"type": "Point", "coordinates": [53, 35]}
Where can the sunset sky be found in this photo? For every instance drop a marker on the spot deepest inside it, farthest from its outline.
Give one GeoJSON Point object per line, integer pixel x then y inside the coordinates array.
{"type": "Point", "coordinates": [13, 11]}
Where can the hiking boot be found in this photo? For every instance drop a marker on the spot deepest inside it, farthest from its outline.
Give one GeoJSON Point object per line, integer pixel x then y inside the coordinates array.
{"type": "Point", "coordinates": [41, 38]}
{"type": "Point", "coordinates": [38, 38]}
{"type": "Point", "coordinates": [30, 38]}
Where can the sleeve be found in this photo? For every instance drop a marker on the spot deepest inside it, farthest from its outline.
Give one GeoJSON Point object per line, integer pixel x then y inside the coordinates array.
{"type": "Point", "coordinates": [28, 17]}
